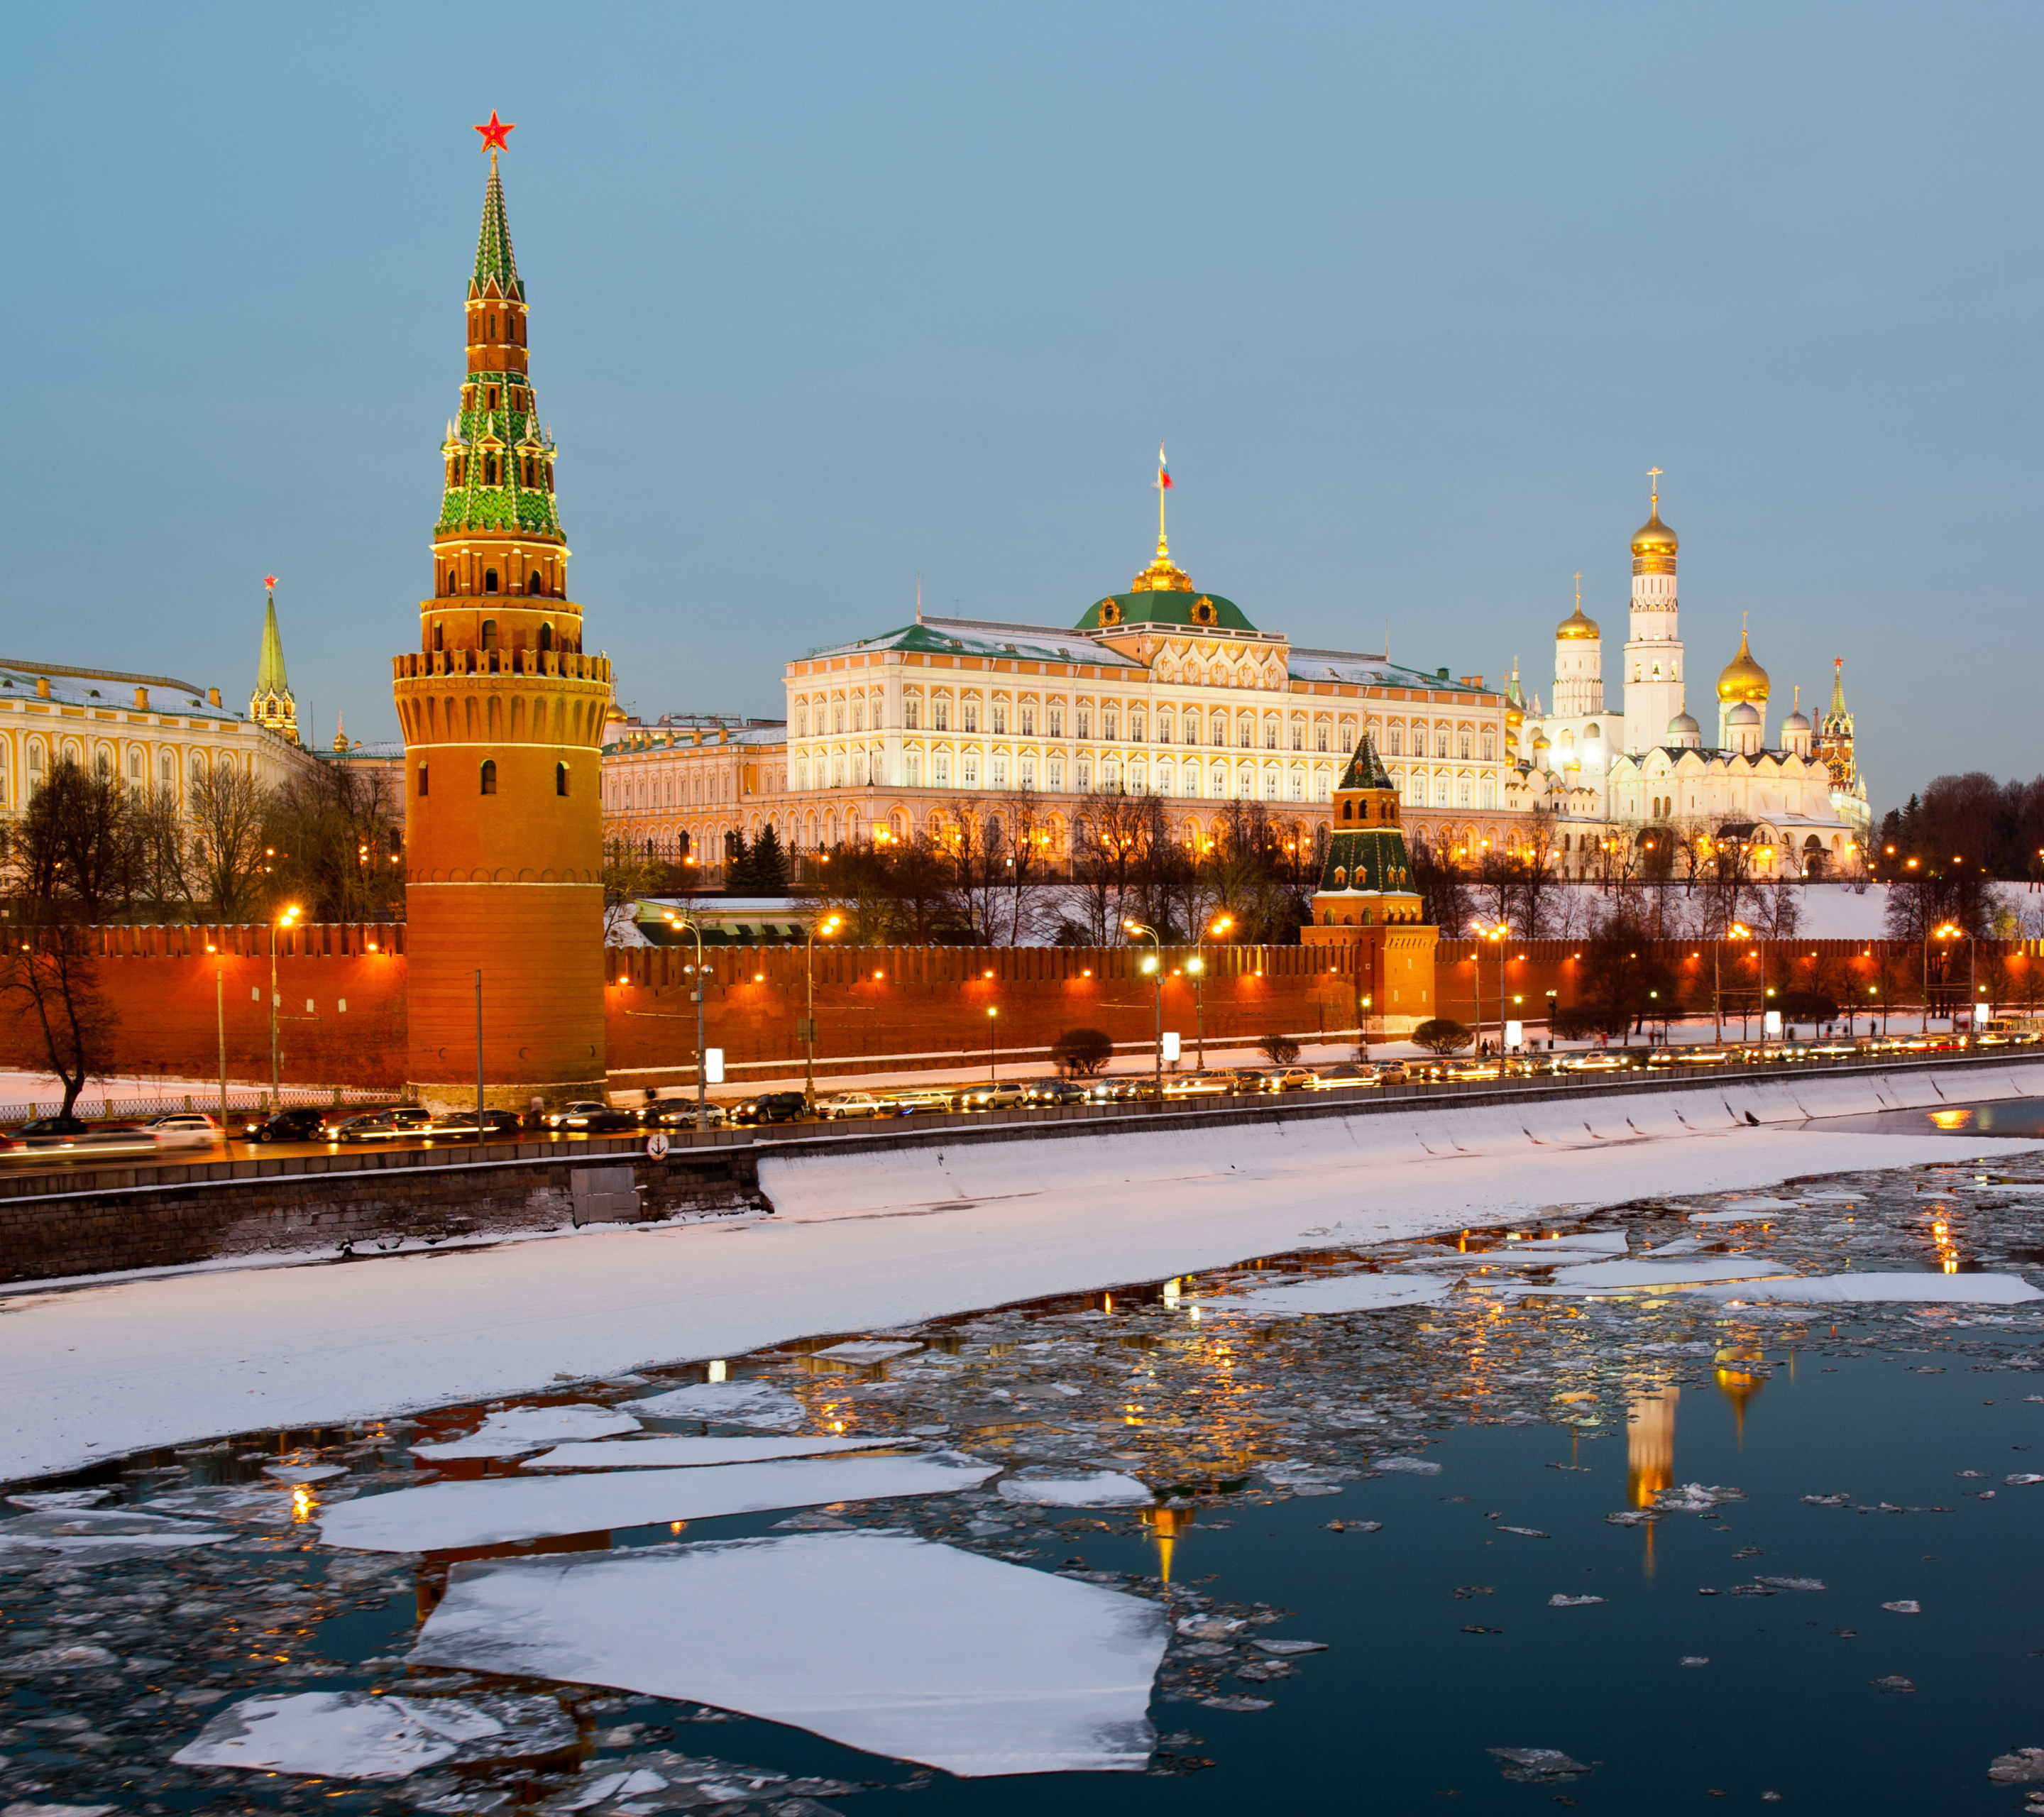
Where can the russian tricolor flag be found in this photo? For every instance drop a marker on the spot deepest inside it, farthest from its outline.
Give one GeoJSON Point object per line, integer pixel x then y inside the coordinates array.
{"type": "Point", "coordinates": [1163, 470]}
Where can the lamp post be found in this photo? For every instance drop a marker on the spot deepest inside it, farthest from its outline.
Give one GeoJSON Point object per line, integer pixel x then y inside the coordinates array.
{"type": "Point", "coordinates": [1154, 966]}
{"type": "Point", "coordinates": [479, 1057]}
{"type": "Point", "coordinates": [992, 1017]}
{"type": "Point", "coordinates": [809, 1027]}
{"type": "Point", "coordinates": [1198, 968]}
{"type": "Point", "coordinates": [702, 1070]}
{"type": "Point", "coordinates": [1738, 930]}
{"type": "Point", "coordinates": [289, 916]}
{"type": "Point", "coordinates": [1948, 932]}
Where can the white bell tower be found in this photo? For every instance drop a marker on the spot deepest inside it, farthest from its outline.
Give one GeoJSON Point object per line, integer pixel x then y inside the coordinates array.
{"type": "Point", "coordinates": [1652, 671]}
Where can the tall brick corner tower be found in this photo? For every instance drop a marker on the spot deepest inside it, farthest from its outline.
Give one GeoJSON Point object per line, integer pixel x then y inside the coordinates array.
{"type": "Point", "coordinates": [503, 718]}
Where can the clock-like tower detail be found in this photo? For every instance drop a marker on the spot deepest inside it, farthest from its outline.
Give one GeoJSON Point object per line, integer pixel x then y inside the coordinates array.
{"type": "Point", "coordinates": [503, 717]}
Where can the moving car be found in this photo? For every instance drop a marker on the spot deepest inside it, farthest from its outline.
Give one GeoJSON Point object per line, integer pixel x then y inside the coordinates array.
{"type": "Point", "coordinates": [770, 1107]}
{"type": "Point", "coordinates": [922, 1101]}
{"type": "Point", "coordinates": [1054, 1092]}
{"type": "Point", "coordinates": [403, 1122]}
{"type": "Point", "coordinates": [461, 1124]}
{"type": "Point", "coordinates": [1003, 1094]}
{"type": "Point", "coordinates": [1203, 1084]}
{"type": "Point", "coordinates": [587, 1117]}
{"type": "Point", "coordinates": [1348, 1074]}
{"type": "Point", "coordinates": [63, 1133]}
{"type": "Point", "coordinates": [848, 1104]}
{"type": "Point", "coordinates": [1246, 1080]}
{"type": "Point", "coordinates": [1596, 1061]}
{"type": "Point", "coordinates": [183, 1129]}
{"type": "Point", "coordinates": [1294, 1079]}
{"type": "Point", "coordinates": [301, 1122]}
{"type": "Point", "coordinates": [680, 1113]}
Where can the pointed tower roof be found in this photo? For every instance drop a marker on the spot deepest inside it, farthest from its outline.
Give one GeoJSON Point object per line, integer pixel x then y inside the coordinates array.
{"type": "Point", "coordinates": [1837, 710]}
{"type": "Point", "coordinates": [1365, 769]}
{"type": "Point", "coordinates": [495, 265]}
{"type": "Point", "coordinates": [270, 677]}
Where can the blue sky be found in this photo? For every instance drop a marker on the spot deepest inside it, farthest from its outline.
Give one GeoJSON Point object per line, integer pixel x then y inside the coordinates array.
{"type": "Point", "coordinates": [827, 297]}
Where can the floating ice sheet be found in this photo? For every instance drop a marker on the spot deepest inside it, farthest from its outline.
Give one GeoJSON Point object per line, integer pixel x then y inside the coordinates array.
{"type": "Point", "coordinates": [514, 1430]}
{"type": "Point", "coordinates": [1097, 1488]}
{"type": "Point", "coordinates": [60, 1498]}
{"type": "Point", "coordinates": [759, 1403]}
{"type": "Point", "coordinates": [351, 1735]}
{"type": "Point", "coordinates": [100, 1530]}
{"type": "Point", "coordinates": [500, 1509]}
{"type": "Point", "coordinates": [1678, 1271]}
{"type": "Point", "coordinates": [670, 1452]}
{"type": "Point", "coordinates": [878, 1640]}
{"type": "Point", "coordinates": [868, 1351]}
{"type": "Point", "coordinates": [1332, 1293]}
{"type": "Point", "coordinates": [1830, 1289]}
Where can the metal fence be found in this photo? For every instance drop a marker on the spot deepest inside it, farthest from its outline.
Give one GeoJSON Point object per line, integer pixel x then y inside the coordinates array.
{"type": "Point", "coordinates": [239, 1099]}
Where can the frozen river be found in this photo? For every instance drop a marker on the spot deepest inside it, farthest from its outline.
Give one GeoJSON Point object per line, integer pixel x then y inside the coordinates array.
{"type": "Point", "coordinates": [1727, 1495]}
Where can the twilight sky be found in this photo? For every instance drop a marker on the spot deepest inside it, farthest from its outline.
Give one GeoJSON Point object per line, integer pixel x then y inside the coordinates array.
{"type": "Point", "coordinates": [825, 297]}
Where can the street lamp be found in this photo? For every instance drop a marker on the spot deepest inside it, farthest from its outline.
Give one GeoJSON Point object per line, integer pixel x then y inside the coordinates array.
{"type": "Point", "coordinates": [807, 1030]}
{"type": "Point", "coordinates": [992, 1015]}
{"type": "Point", "coordinates": [1738, 930]}
{"type": "Point", "coordinates": [702, 1070]}
{"type": "Point", "coordinates": [287, 919]}
{"type": "Point", "coordinates": [1949, 931]}
{"type": "Point", "coordinates": [1500, 934]}
{"type": "Point", "coordinates": [1197, 965]}
{"type": "Point", "coordinates": [1154, 966]}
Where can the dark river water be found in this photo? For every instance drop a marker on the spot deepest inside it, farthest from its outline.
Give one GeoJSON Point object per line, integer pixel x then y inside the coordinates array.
{"type": "Point", "coordinates": [1264, 1438]}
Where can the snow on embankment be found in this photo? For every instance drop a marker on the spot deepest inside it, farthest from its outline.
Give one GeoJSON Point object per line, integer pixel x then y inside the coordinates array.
{"type": "Point", "coordinates": [1490, 1145]}
{"type": "Point", "coordinates": [868, 1238]}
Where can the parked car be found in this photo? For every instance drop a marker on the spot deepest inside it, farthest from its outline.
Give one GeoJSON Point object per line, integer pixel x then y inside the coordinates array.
{"type": "Point", "coordinates": [850, 1105]}
{"type": "Point", "coordinates": [587, 1117]}
{"type": "Point", "coordinates": [1596, 1060]}
{"type": "Point", "coordinates": [1002, 1094]}
{"type": "Point", "coordinates": [301, 1122]}
{"type": "Point", "coordinates": [1054, 1092]}
{"type": "Point", "coordinates": [183, 1129]}
{"type": "Point", "coordinates": [770, 1107]}
{"type": "Point", "coordinates": [922, 1101]}
{"type": "Point", "coordinates": [403, 1122]}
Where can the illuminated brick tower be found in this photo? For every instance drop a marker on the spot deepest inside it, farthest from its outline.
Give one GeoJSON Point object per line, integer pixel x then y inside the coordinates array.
{"type": "Point", "coordinates": [503, 717]}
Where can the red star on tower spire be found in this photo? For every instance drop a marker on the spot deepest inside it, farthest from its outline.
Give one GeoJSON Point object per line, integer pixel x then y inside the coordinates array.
{"type": "Point", "coordinates": [493, 134]}
{"type": "Point", "coordinates": [270, 580]}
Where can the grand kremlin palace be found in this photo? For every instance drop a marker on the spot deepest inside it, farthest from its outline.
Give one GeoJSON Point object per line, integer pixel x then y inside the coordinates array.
{"type": "Point", "coordinates": [1163, 689]}
{"type": "Point", "coordinates": [1168, 690]}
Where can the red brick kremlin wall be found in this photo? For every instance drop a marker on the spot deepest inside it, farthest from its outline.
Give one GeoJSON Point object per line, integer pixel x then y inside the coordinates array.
{"type": "Point", "coordinates": [870, 1002]}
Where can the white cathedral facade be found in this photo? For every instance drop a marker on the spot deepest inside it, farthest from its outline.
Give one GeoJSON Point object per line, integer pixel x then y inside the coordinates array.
{"type": "Point", "coordinates": [1616, 782]}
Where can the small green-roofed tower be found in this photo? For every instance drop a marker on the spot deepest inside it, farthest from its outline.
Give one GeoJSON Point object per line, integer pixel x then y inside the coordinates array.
{"type": "Point", "coordinates": [272, 706]}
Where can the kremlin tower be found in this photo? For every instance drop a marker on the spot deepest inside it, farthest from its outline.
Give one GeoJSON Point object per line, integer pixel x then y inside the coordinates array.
{"type": "Point", "coordinates": [271, 704]}
{"type": "Point", "coordinates": [503, 718]}
{"type": "Point", "coordinates": [1653, 652]}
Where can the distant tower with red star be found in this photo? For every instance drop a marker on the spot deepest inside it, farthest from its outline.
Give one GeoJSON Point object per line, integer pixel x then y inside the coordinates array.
{"type": "Point", "coordinates": [503, 717]}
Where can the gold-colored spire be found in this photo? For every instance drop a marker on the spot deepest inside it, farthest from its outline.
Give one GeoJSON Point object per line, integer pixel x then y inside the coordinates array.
{"type": "Point", "coordinates": [1163, 575]}
{"type": "Point", "coordinates": [1654, 544]}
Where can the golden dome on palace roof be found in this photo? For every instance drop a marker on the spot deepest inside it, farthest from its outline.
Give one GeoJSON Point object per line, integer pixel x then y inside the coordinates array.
{"type": "Point", "coordinates": [1742, 678]}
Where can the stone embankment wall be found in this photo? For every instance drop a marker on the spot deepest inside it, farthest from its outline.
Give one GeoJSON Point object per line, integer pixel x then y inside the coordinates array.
{"type": "Point", "coordinates": [107, 1221]}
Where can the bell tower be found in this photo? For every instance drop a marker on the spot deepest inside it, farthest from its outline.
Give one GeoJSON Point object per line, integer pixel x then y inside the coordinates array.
{"type": "Point", "coordinates": [503, 717]}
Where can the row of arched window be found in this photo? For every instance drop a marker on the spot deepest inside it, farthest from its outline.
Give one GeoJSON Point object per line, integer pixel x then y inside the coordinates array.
{"type": "Point", "coordinates": [487, 778]}
{"type": "Point", "coordinates": [536, 585]}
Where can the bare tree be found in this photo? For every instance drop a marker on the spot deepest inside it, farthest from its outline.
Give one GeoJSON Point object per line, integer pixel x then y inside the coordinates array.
{"type": "Point", "coordinates": [160, 840]}
{"type": "Point", "coordinates": [227, 847]}
{"type": "Point", "coordinates": [50, 981]}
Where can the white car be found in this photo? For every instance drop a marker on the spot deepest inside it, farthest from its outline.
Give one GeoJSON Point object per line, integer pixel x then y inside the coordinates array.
{"type": "Point", "coordinates": [183, 1129]}
{"type": "Point", "coordinates": [852, 1103]}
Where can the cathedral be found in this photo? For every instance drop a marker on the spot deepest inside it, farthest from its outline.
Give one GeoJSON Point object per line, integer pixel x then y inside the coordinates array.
{"type": "Point", "coordinates": [1611, 786]}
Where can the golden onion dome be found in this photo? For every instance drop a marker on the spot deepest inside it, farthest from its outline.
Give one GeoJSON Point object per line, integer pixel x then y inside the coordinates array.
{"type": "Point", "coordinates": [1576, 627]}
{"type": "Point", "coordinates": [1742, 678]}
{"type": "Point", "coordinates": [1653, 537]}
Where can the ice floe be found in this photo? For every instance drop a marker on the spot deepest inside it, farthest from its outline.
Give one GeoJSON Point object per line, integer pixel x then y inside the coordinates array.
{"type": "Point", "coordinates": [351, 1735]}
{"type": "Point", "coordinates": [1097, 1488]}
{"type": "Point", "coordinates": [1331, 1293]}
{"type": "Point", "coordinates": [868, 1351]}
{"type": "Point", "coordinates": [514, 1431]}
{"type": "Point", "coordinates": [879, 1640]}
{"type": "Point", "coordinates": [1828, 1289]}
{"type": "Point", "coordinates": [758, 1403]}
{"type": "Point", "coordinates": [502, 1509]}
{"type": "Point", "coordinates": [1680, 1271]}
{"type": "Point", "coordinates": [61, 1498]}
{"type": "Point", "coordinates": [120, 1531]}
{"type": "Point", "coordinates": [668, 1451]}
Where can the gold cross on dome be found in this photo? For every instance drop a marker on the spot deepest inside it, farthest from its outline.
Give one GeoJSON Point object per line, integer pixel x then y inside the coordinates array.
{"type": "Point", "coordinates": [1654, 479]}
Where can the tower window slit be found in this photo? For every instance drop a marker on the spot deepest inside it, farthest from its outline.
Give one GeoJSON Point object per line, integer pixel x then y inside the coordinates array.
{"type": "Point", "coordinates": [489, 776]}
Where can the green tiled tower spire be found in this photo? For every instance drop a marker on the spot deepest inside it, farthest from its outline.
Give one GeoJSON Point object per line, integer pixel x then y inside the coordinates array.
{"type": "Point", "coordinates": [500, 461]}
{"type": "Point", "coordinates": [272, 706]}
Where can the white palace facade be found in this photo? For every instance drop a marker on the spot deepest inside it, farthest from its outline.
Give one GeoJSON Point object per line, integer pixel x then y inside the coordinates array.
{"type": "Point", "coordinates": [1167, 691]}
